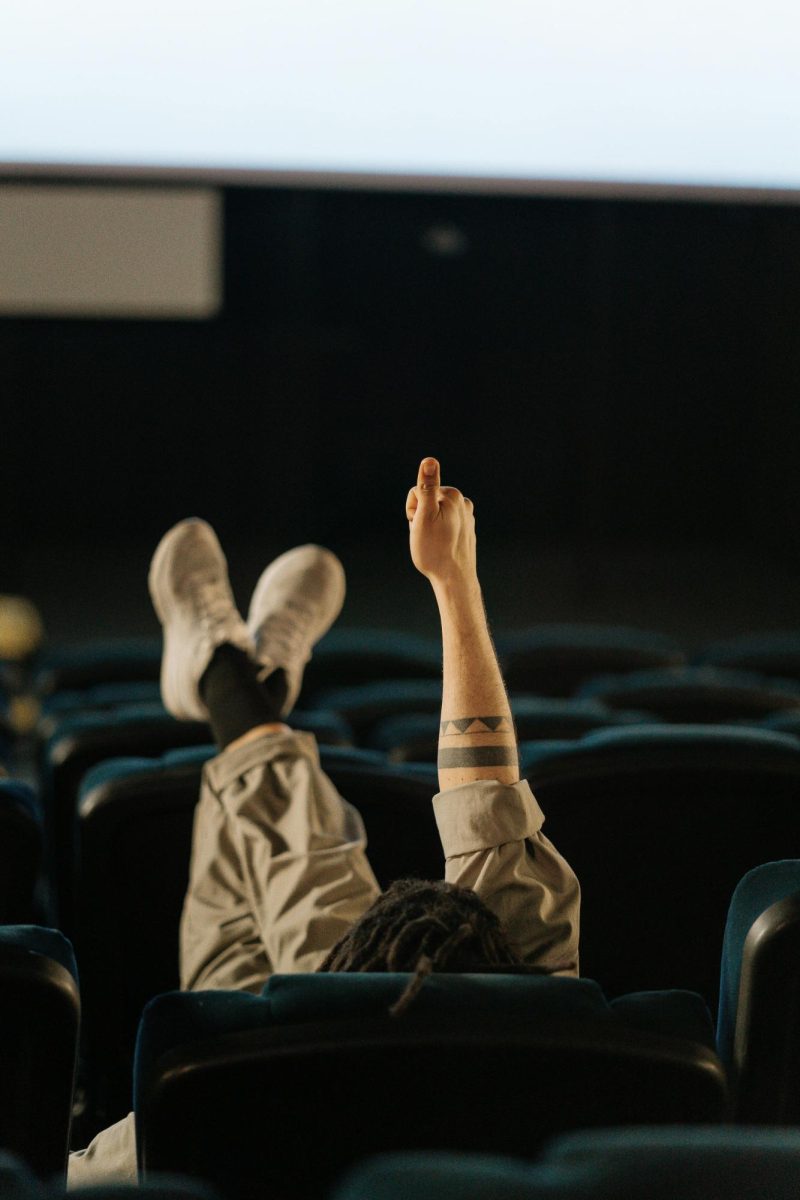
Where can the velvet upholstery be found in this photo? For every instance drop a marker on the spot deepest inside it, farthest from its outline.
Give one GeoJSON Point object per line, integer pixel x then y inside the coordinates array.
{"type": "Point", "coordinates": [626, 1164]}
{"type": "Point", "coordinates": [759, 1008]}
{"type": "Point", "coordinates": [706, 695]}
{"type": "Point", "coordinates": [660, 823]}
{"type": "Point", "coordinates": [493, 1062]}
{"type": "Point", "coordinates": [554, 660]}
{"type": "Point", "coordinates": [39, 1019]}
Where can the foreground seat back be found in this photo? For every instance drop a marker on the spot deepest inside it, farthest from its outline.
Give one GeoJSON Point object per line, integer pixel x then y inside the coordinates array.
{"type": "Point", "coordinates": [494, 1063]}
{"type": "Point", "coordinates": [759, 1012]}
{"type": "Point", "coordinates": [439, 1175]}
{"type": "Point", "coordinates": [659, 824]}
{"type": "Point", "coordinates": [39, 1018]}
{"type": "Point", "coordinates": [661, 1164]}
{"type": "Point", "coordinates": [623, 1164]}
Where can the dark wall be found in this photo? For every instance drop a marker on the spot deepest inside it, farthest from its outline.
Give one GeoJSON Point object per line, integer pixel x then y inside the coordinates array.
{"type": "Point", "coordinates": [587, 369]}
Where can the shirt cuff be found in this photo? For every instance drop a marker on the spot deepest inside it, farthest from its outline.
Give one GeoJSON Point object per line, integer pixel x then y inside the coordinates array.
{"type": "Point", "coordinates": [484, 814]}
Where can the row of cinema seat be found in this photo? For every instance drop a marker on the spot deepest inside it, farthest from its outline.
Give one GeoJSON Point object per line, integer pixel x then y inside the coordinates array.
{"type": "Point", "coordinates": [237, 1089]}
{"type": "Point", "coordinates": [619, 1164]}
{"type": "Point", "coordinates": [643, 813]}
{"type": "Point", "coordinates": [549, 660]}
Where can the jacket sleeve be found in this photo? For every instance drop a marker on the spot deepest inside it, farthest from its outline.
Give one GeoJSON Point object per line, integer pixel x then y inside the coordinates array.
{"type": "Point", "coordinates": [493, 843]}
{"type": "Point", "coordinates": [109, 1158]}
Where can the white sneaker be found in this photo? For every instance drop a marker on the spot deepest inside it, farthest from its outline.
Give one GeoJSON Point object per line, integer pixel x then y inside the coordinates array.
{"type": "Point", "coordinates": [296, 601]}
{"type": "Point", "coordinates": [192, 596]}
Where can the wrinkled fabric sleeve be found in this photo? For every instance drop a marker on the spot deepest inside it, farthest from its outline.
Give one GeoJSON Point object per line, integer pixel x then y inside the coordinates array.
{"type": "Point", "coordinates": [279, 866]}
{"type": "Point", "coordinates": [109, 1158]}
{"type": "Point", "coordinates": [493, 843]}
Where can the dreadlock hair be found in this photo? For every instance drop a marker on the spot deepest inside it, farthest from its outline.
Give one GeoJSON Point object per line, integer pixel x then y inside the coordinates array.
{"type": "Point", "coordinates": [422, 926]}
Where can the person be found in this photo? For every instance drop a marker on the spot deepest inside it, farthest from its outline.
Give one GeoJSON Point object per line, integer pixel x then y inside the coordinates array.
{"type": "Point", "coordinates": [280, 880]}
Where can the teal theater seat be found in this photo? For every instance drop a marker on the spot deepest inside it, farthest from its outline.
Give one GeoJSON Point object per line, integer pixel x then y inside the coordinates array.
{"type": "Point", "coordinates": [112, 660]}
{"type": "Point", "coordinates": [701, 695]}
{"type": "Point", "coordinates": [414, 737]}
{"type": "Point", "coordinates": [278, 1094]}
{"type": "Point", "coordinates": [775, 653]}
{"type": "Point", "coordinates": [659, 824]}
{"type": "Point", "coordinates": [758, 1027]}
{"type": "Point", "coordinates": [346, 657]}
{"type": "Point", "coordinates": [554, 660]}
{"type": "Point", "coordinates": [621, 1164]}
{"type": "Point", "coordinates": [39, 1020]}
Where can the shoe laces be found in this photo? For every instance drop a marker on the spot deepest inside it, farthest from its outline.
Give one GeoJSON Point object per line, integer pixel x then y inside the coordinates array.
{"type": "Point", "coordinates": [285, 631]}
{"type": "Point", "coordinates": [212, 605]}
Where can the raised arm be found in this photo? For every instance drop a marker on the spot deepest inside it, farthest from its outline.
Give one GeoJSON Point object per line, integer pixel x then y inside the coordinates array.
{"type": "Point", "coordinates": [476, 737]}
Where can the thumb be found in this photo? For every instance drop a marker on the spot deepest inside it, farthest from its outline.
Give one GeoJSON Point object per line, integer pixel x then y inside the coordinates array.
{"type": "Point", "coordinates": [428, 482]}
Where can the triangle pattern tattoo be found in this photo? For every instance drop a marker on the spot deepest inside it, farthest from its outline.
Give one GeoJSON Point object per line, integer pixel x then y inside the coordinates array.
{"type": "Point", "coordinates": [492, 723]}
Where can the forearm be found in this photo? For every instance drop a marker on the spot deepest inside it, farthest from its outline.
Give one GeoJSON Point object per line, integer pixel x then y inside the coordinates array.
{"type": "Point", "coordinates": [476, 738]}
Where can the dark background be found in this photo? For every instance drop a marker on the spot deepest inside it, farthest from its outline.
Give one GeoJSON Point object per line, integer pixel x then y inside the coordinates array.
{"type": "Point", "coordinates": [613, 382]}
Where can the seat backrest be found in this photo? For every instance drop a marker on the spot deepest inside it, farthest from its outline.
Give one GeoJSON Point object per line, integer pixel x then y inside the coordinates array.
{"type": "Point", "coordinates": [730, 1163]}
{"type": "Point", "coordinates": [134, 843]}
{"type": "Point", "coordinates": [775, 653]}
{"type": "Point", "coordinates": [621, 1164]}
{"type": "Point", "coordinates": [414, 737]}
{"type": "Point", "coordinates": [16, 1180]}
{"type": "Point", "coordinates": [39, 1019]}
{"type": "Point", "coordinates": [363, 705]}
{"type": "Point", "coordinates": [659, 824]}
{"type": "Point", "coordinates": [348, 657]}
{"type": "Point", "coordinates": [100, 698]}
{"type": "Point", "coordinates": [84, 665]}
{"type": "Point", "coordinates": [759, 1008]}
{"type": "Point", "coordinates": [439, 1175]}
{"type": "Point", "coordinates": [554, 660]}
{"type": "Point", "coordinates": [20, 850]}
{"type": "Point", "coordinates": [79, 742]}
{"type": "Point", "coordinates": [494, 1063]}
{"type": "Point", "coordinates": [707, 695]}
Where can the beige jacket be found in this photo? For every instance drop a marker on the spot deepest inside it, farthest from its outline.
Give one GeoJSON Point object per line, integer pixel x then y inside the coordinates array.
{"type": "Point", "coordinates": [279, 872]}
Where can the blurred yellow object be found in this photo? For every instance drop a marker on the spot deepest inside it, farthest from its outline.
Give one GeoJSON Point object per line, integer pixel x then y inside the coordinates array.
{"type": "Point", "coordinates": [21, 628]}
{"type": "Point", "coordinates": [23, 713]}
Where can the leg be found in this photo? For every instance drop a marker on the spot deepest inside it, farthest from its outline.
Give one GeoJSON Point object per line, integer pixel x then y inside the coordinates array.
{"type": "Point", "coordinates": [279, 869]}
{"type": "Point", "coordinates": [284, 873]}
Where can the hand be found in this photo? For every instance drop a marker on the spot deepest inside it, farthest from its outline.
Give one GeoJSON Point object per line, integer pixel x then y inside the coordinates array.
{"type": "Point", "coordinates": [441, 528]}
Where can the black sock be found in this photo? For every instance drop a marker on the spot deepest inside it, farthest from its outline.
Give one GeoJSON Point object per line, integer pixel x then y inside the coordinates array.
{"type": "Point", "coordinates": [235, 699]}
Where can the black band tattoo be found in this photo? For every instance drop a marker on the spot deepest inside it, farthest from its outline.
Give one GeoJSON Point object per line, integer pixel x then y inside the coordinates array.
{"type": "Point", "coordinates": [477, 756]}
{"type": "Point", "coordinates": [454, 726]}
